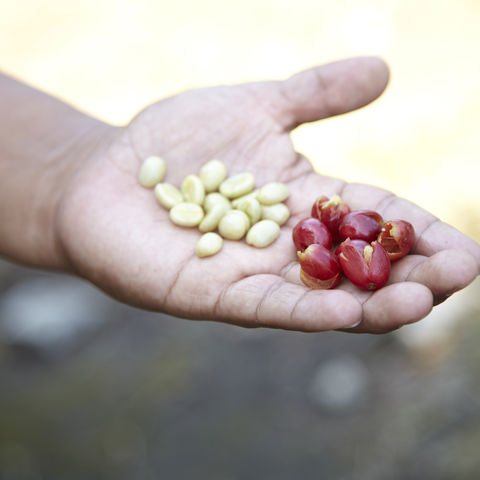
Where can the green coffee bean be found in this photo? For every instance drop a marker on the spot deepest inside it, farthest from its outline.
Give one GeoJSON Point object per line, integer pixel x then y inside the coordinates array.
{"type": "Point", "coordinates": [209, 244]}
{"type": "Point", "coordinates": [167, 195]}
{"type": "Point", "coordinates": [278, 212]}
{"type": "Point", "coordinates": [263, 233]}
{"type": "Point", "coordinates": [233, 225]}
{"type": "Point", "coordinates": [152, 171]}
{"type": "Point", "coordinates": [212, 174]}
{"type": "Point", "coordinates": [212, 218]}
{"type": "Point", "coordinates": [215, 198]}
{"type": "Point", "coordinates": [186, 214]}
{"type": "Point", "coordinates": [237, 185]}
{"type": "Point", "coordinates": [239, 200]}
{"type": "Point", "coordinates": [273, 192]}
{"type": "Point", "coordinates": [193, 190]}
{"type": "Point", "coordinates": [252, 208]}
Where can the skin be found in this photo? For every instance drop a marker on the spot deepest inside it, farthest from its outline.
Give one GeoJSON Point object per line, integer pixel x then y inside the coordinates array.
{"type": "Point", "coordinates": [70, 200]}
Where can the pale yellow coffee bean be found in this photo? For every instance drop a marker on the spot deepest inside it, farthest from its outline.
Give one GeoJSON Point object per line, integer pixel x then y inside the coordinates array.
{"type": "Point", "coordinates": [239, 200]}
{"type": "Point", "coordinates": [186, 214]}
{"type": "Point", "coordinates": [237, 185]}
{"type": "Point", "coordinates": [167, 195]}
{"type": "Point", "coordinates": [247, 221]}
{"type": "Point", "coordinates": [273, 192]}
{"type": "Point", "coordinates": [252, 208]}
{"type": "Point", "coordinates": [263, 233]}
{"type": "Point", "coordinates": [215, 198]}
{"type": "Point", "coordinates": [212, 218]}
{"type": "Point", "coordinates": [212, 174]}
{"type": "Point", "coordinates": [193, 190]}
{"type": "Point", "coordinates": [278, 212]}
{"type": "Point", "coordinates": [152, 171]}
{"type": "Point", "coordinates": [209, 244]}
{"type": "Point", "coordinates": [233, 225]}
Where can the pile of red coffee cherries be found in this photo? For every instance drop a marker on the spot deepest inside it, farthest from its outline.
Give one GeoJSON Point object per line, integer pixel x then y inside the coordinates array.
{"type": "Point", "coordinates": [365, 245]}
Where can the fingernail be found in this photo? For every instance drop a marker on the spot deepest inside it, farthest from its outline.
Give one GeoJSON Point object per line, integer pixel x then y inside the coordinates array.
{"type": "Point", "coordinates": [356, 324]}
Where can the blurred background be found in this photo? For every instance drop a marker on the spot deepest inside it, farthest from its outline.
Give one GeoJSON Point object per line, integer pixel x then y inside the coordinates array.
{"type": "Point", "coordinates": [93, 389]}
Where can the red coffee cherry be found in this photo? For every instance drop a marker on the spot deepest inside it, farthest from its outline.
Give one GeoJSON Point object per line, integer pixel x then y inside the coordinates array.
{"type": "Point", "coordinates": [369, 269]}
{"type": "Point", "coordinates": [397, 237]}
{"type": "Point", "coordinates": [361, 225]}
{"type": "Point", "coordinates": [330, 212]}
{"type": "Point", "coordinates": [319, 267]}
{"type": "Point", "coordinates": [311, 230]}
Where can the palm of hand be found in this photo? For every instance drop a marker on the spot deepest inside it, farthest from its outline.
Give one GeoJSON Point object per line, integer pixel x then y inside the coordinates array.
{"type": "Point", "coordinates": [125, 243]}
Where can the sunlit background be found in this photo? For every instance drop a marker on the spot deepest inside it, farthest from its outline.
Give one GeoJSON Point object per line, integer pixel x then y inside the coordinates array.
{"type": "Point", "coordinates": [111, 392]}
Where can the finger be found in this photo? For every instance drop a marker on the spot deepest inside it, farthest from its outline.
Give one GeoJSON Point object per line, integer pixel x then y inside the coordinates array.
{"type": "Point", "coordinates": [328, 90]}
{"type": "Point", "coordinates": [432, 234]}
{"type": "Point", "coordinates": [445, 273]}
{"type": "Point", "coordinates": [270, 301]}
{"type": "Point", "coordinates": [402, 268]}
{"type": "Point", "coordinates": [440, 236]}
{"type": "Point", "coordinates": [367, 197]}
{"type": "Point", "coordinates": [393, 306]}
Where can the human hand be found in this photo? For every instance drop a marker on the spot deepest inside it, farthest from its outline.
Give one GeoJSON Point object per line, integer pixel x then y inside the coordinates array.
{"type": "Point", "coordinates": [114, 233]}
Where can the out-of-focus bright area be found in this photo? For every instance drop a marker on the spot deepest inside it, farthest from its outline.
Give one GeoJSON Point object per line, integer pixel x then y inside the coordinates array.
{"type": "Point", "coordinates": [420, 139]}
{"type": "Point", "coordinates": [93, 389]}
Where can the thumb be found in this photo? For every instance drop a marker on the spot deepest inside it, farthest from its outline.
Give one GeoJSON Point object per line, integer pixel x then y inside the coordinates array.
{"type": "Point", "coordinates": [328, 90]}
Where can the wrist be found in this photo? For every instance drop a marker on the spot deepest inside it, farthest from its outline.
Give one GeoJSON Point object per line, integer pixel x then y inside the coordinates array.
{"type": "Point", "coordinates": [32, 232]}
{"type": "Point", "coordinates": [43, 143]}
{"type": "Point", "coordinates": [64, 172]}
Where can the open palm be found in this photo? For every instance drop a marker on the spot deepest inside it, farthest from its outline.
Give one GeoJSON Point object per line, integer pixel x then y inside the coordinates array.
{"type": "Point", "coordinates": [116, 235]}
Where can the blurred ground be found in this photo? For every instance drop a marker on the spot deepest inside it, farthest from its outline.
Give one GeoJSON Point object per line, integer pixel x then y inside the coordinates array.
{"type": "Point", "coordinates": [91, 389]}
{"type": "Point", "coordinates": [146, 396]}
